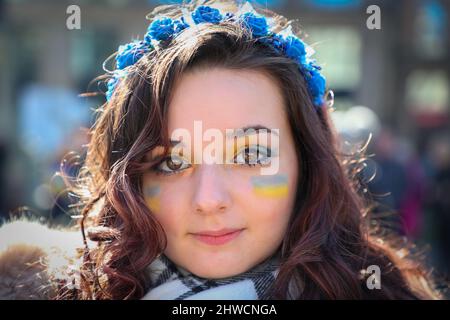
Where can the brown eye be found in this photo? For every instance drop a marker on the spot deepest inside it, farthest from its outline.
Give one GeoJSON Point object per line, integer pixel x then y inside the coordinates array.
{"type": "Point", "coordinates": [172, 164]}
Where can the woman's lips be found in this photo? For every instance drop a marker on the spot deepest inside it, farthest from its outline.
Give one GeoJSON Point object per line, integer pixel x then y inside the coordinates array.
{"type": "Point", "coordinates": [217, 237]}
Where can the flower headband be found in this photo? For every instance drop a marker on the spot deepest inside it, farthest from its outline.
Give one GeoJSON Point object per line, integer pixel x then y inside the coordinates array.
{"type": "Point", "coordinates": [285, 43]}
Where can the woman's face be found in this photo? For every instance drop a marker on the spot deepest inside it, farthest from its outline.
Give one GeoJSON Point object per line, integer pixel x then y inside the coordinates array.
{"type": "Point", "coordinates": [222, 218]}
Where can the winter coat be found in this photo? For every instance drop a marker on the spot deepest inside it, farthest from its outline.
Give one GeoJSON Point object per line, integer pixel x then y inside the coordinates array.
{"type": "Point", "coordinates": [34, 258]}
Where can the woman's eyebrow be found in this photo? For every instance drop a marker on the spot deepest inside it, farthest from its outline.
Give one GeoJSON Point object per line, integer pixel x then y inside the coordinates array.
{"type": "Point", "coordinates": [249, 130]}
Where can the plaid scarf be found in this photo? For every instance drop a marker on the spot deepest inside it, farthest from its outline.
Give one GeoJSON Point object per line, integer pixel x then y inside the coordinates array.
{"type": "Point", "coordinates": [169, 282]}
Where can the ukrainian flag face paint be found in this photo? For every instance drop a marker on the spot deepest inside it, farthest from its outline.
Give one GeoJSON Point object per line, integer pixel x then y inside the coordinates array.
{"type": "Point", "coordinates": [151, 194]}
{"type": "Point", "coordinates": [274, 186]}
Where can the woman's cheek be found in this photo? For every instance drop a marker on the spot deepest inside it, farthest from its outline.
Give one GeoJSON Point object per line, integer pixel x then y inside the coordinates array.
{"type": "Point", "coordinates": [272, 195]}
{"type": "Point", "coordinates": [152, 194]}
{"type": "Point", "coordinates": [164, 205]}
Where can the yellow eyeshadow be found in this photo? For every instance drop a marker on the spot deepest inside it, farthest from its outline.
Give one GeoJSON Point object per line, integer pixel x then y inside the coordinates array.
{"type": "Point", "coordinates": [234, 147]}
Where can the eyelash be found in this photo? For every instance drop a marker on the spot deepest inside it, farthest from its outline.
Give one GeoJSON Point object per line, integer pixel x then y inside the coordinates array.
{"type": "Point", "coordinates": [266, 152]}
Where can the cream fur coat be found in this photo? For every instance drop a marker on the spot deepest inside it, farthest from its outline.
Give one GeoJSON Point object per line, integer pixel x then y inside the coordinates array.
{"type": "Point", "coordinates": [32, 256]}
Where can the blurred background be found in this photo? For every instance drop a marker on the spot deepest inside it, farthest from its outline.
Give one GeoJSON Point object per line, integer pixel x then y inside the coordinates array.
{"type": "Point", "coordinates": [391, 83]}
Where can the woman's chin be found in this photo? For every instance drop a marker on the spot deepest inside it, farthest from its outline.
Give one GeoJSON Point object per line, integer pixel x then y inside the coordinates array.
{"type": "Point", "coordinates": [217, 269]}
{"type": "Point", "coordinates": [216, 274]}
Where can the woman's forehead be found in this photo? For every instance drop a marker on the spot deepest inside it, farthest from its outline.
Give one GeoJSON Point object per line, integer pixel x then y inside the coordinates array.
{"type": "Point", "coordinates": [226, 99]}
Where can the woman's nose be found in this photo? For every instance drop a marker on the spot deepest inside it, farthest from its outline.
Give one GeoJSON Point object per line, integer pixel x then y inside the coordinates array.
{"type": "Point", "coordinates": [211, 190]}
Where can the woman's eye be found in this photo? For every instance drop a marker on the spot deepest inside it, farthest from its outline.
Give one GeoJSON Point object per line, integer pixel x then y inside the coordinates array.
{"type": "Point", "coordinates": [172, 164]}
{"type": "Point", "coordinates": [253, 155]}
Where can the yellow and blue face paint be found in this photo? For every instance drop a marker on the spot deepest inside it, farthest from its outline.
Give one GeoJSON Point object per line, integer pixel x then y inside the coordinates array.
{"type": "Point", "coordinates": [273, 186]}
{"type": "Point", "coordinates": [151, 194]}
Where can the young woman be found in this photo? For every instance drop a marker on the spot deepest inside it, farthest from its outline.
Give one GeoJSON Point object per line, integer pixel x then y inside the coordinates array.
{"type": "Point", "coordinates": [213, 172]}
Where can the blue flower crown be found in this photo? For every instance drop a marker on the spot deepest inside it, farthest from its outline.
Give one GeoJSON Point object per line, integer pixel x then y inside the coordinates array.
{"type": "Point", "coordinates": [285, 43]}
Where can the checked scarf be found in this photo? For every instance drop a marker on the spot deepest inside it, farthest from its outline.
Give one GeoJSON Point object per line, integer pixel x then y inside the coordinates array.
{"type": "Point", "coordinates": [169, 282]}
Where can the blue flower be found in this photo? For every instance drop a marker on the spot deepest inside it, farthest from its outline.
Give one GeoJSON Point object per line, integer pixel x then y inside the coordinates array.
{"type": "Point", "coordinates": [130, 53]}
{"type": "Point", "coordinates": [295, 49]}
{"type": "Point", "coordinates": [316, 85]}
{"type": "Point", "coordinates": [206, 14]}
{"type": "Point", "coordinates": [111, 86]}
{"type": "Point", "coordinates": [275, 41]}
{"type": "Point", "coordinates": [258, 25]}
{"type": "Point", "coordinates": [113, 81]}
{"type": "Point", "coordinates": [180, 25]}
{"type": "Point", "coordinates": [311, 66]}
{"type": "Point", "coordinates": [160, 29]}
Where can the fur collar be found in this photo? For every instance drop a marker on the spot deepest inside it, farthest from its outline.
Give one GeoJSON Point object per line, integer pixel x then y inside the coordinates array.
{"type": "Point", "coordinates": [32, 256]}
